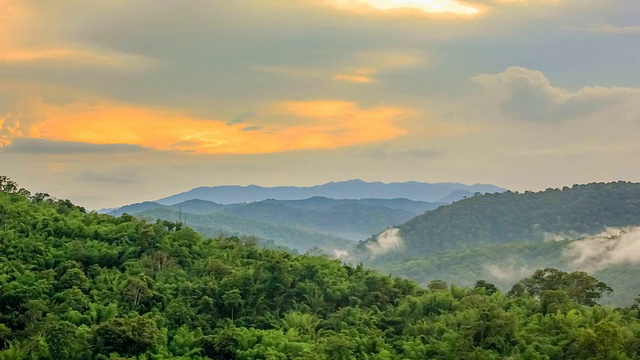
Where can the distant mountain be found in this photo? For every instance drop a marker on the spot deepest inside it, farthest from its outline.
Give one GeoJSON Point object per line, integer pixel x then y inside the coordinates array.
{"type": "Point", "coordinates": [351, 219]}
{"type": "Point", "coordinates": [511, 217]}
{"type": "Point", "coordinates": [131, 209]}
{"type": "Point", "coordinates": [221, 223]}
{"type": "Point", "coordinates": [299, 224]}
{"type": "Point", "coordinates": [456, 195]}
{"type": "Point", "coordinates": [352, 189]}
{"type": "Point", "coordinates": [196, 206]}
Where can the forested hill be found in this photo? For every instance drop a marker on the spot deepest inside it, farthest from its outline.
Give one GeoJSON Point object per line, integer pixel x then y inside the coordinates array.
{"type": "Point", "coordinates": [531, 216]}
{"type": "Point", "coordinates": [78, 285]}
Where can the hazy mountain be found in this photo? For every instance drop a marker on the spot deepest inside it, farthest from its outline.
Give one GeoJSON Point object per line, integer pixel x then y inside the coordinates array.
{"type": "Point", "coordinates": [315, 221]}
{"type": "Point", "coordinates": [222, 223]}
{"type": "Point", "coordinates": [196, 206]}
{"type": "Point", "coordinates": [352, 189]}
{"type": "Point", "coordinates": [456, 195]}
{"type": "Point", "coordinates": [351, 219]}
{"type": "Point", "coordinates": [131, 209]}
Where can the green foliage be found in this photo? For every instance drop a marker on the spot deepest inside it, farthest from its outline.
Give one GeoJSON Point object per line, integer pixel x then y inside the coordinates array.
{"type": "Point", "coordinates": [77, 285]}
{"type": "Point", "coordinates": [578, 286]}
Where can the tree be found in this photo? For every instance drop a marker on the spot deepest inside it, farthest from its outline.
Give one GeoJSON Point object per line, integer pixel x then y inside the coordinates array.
{"type": "Point", "coordinates": [129, 337]}
{"type": "Point", "coordinates": [579, 286]}
{"type": "Point", "coordinates": [232, 299]}
{"type": "Point", "coordinates": [437, 285]}
{"type": "Point", "coordinates": [137, 290]}
{"type": "Point", "coordinates": [488, 287]}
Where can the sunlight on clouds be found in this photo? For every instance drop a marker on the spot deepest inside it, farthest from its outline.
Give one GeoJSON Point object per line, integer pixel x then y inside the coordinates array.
{"type": "Point", "coordinates": [361, 67]}
{"type": "Point", "coordinates": [9, 130]}
{"type": "Point", "coordinates": [3, 138]}
{"type": "Point", "coordinates": [354, 78]}
{"type": "Point", "coordinates": [27, 37]}
{"type": "Point", "coordinates": [311, 125]}
{"type": "Point", "coordinates": [449, 7]}
{"type": "Point", "coordinates": [76, 55]}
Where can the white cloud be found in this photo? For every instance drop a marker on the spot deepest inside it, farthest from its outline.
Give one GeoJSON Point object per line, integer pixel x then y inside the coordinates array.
{"type": "Point", "coordinates": [529, 95]}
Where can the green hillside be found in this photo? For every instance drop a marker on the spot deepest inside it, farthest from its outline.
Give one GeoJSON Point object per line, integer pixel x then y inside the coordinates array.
{"type": "Point", "coordinates": [505, 264]}
{"type": "Point", "coordinates": [278, 234]}
{"type": "Point", "coordinates": [531, 216]}
{"type": "Point", "coordinates": [78, 285]}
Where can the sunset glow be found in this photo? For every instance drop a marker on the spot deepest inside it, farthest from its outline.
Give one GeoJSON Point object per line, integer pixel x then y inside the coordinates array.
{"type": "Point", "coordinates": [524, 94]}
{"type": "Point", "coordinates": [312, 125]}
{"type": "Point", "coordinates": [428, 6]}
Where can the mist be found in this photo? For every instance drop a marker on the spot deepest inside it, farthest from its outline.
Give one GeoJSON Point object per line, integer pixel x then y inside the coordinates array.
{"type": "Point", "coordinates": [508, 273]}
{"type": "Point", "coordinates": [614, 246]}
{"type": "Point", "coordinates": [388, 241]}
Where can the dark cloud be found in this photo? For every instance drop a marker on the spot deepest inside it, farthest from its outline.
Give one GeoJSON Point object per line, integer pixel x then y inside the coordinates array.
{"type": "Point", "coordinates": [252, 128]}
{"type": "Point", "coordinates": [242, 118]}
{"type": "Point", "coordinates": [41, 146]}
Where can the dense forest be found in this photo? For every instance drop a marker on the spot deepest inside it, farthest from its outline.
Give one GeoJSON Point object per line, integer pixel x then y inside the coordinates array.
{"type": "Point", "coordinates": [568, 213]}
{"type": "Point", "coordinates": [81, 285]}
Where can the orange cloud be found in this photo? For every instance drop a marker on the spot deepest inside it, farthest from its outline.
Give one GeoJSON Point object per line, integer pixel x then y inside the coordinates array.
{"type": "Point", "coordinates": [77, 55]}
{"type": "Point", "coordinates": [430, 7]}
{"type": "Point", "coordinates": [27, 36]}
{"type": "Point", "coordinates": [361, 68]}
{"type": "Point", "coordinates": [8, 131]}
{"type": "Point", "coordinates": [355, 78]}
{"type": "Point", "coordinates": [309, 125]}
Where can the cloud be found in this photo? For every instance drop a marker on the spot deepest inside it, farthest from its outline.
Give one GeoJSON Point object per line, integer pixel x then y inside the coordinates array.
{"type": "Point", "coordinates": [28, 36]}
{"type": "Point", "coordinates": [448, 7]}
{"type": "Point", "coordinates": [252, 128]}
{"type": "Point", "coordinates": [612, 247]}
{"type": "Point", "coordinates": [354, 78]}
{"type": "Point", "coordinates": [509, 272]}
{"type": "Point", "coordinates": [388, 241]}
{"type": "Point", "coordinates": [290, 125]}
{"type": "Point", "coordinates": [529, 95]}
{"type": "Point", "coordinates": [65, 54]}
{"type": "Point", "coordinates": [46, 147]}
{"type": "Point", "coordinates": [9, 129]}
{"type": "Point", "coordinates": [242, 118]}
{"type": "Point", "coordinates": [612, 29]}
{"type": "Point", "coordinates": [361, 67]}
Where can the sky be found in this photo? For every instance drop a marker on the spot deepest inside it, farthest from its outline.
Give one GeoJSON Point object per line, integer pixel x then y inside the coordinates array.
{"type": "Point", "coordinates": [114, 102]}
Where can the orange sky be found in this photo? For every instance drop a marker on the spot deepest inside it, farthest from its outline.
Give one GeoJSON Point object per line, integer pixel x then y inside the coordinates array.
{"type": "Point", "coordinates": [311, 125]}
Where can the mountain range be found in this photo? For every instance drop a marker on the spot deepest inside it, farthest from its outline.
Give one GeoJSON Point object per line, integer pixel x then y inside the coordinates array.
{"type": "Point", "coordinates": [330, 216]}
{"type": "Point", "coordinates": [332, 225]}
{"type": "Point", "coordinates": [351, 189]}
